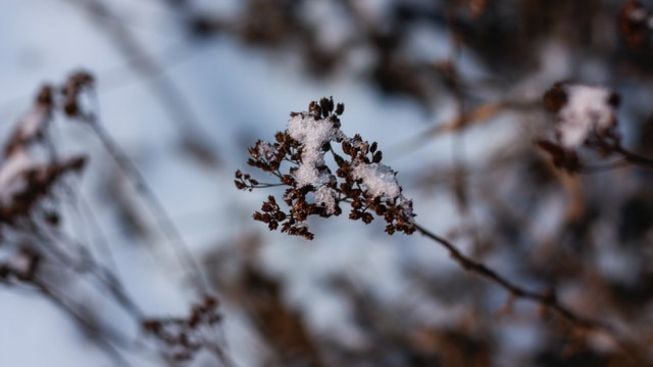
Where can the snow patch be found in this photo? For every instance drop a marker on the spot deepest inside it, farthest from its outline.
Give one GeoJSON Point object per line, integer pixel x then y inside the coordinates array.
{"type": "Point", "coordinates": [313, 134]}
{"type": "Point", "coordinates": [325, 196]}
{"type": "Point", "coordinates": [378, 179]}
{"type": "Point", "coordinates": [587, 109]}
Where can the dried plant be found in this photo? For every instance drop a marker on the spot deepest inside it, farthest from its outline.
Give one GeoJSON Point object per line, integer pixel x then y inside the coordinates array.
{"type": "Point", "coordinates": [635, 24]}
{"type": "Point", "coordinates": [182, 338]}
{"type": "Point", "coordinates": [573, 245]}
{"type": "Point", "coordinates": [298, 159]}
{"type": "Point", "coordinates": [586, 118]}
{"type": "Point", "coordinates": [35, 187]}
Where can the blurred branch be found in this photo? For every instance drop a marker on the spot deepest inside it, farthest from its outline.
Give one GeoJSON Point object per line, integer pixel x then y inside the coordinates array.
{"type": "Point", "coordinates": [101, 336]}
{"type": "Point", "coordinates": [193, 134]}
{"type": "Point", "coordinates": [165, 222]}
{"type": "Point", "coordinates": [461, 121]}
{"type": "Point", "coordinates": [633, 158]}
{"type": "Point", "coordinates": [547, 299]}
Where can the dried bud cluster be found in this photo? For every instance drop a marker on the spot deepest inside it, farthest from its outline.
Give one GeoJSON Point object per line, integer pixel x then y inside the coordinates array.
{"type": "Point", "coordinates": [26, 177]}
{"type": "Point", "coordinates": [34, 243]}
{"type": "Point", "coordinates": [35, 183]}
{"type": "Point", "coordinates": [183, 337]}
{"type": "Point", "coordinates": [635, 24]}
{"type": "Point", "coordinates": [30, 173]}
{"type": "Point", "coordinates": [72, 92]}
{"type": "Point", "coordinates": [586, 116]}
{"type": "Point", "coordinates": [298, 159]}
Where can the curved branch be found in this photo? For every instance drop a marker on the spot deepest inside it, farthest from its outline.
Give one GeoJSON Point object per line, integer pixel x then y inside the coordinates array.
{"type": "Point", "coordinates": [633, 158]}
{"type": "Point", "coordinates": [547, 298]}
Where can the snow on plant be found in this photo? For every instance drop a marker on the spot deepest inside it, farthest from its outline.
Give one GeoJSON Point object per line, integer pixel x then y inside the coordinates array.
{"type": "Point", "coordinates": [584, 112]}
{"type": "Point", "coordinates": [298, 158]}
{"type": "Point", "coordinates": [586, 116]}
{"type": "Point", "coordinates": [635, 24]}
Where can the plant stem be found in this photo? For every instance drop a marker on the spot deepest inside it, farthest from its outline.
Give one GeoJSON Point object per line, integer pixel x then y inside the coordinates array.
{"type": "Point", "coordinates": [547, 298]}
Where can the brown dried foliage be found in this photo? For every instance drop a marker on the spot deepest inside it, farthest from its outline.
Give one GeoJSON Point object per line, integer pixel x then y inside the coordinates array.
{"type": "Point", "coordinates": [182, 337]}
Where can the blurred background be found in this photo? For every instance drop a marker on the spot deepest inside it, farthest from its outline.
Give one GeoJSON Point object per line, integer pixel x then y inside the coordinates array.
{"type": "Point", "coordinates": [452, 92]}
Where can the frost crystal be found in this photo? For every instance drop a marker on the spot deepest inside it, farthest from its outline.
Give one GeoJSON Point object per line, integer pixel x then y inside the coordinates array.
{"type": "Point", "coordinates": [588, 109]}
{"type": "Point", "coordinates": [378, 180]}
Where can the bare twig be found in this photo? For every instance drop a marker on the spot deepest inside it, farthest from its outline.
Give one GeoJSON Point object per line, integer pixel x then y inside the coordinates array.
{"type": "Point", "coordinates": [163, 87]}
{"type": "Point", "coordinates": [547, 299]}
{"type": "Point", "coordinates": [104, 338]}
{"type": "Point", "coordinates": [167, 225]}
{"type": "Point", "coordinates": [633, 157]}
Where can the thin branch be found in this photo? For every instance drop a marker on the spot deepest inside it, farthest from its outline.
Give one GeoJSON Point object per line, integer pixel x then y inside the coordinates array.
{"type": "Point", "coordinates": [632, 157]}
{"type": "Point", "coordinates": [592, 169]}
{"type": "Point", "coordinates": [476, 115]}
{"type": "Point", "coordinates": [167, 225]}
{"type": "Point", "coordinates": [87, 264]}
{"type": "Point", "coordinates": [547, 299]}
{"type": "Point", "coordinates": [171, 98]}
{"type": "Point", "coordinates": [103, 337]}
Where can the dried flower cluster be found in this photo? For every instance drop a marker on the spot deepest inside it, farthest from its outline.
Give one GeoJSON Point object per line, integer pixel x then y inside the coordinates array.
{"type": "Point", "coordinates": [32, 181]}
{"type": "Point", "coordinates": [30, 169]}
{"type": "Point", "coordinates": [32, 174]}
{"type": "Point", "coordinates": [586, 116]}
{"type": "Point", "coordinates": [183, 337]}
{"type": "Point", "coordinates": [72, 91]}
{"type": "Point", "coordinates": [298, 158]}
{"type": "Point", "coordinates": [635, 24]}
